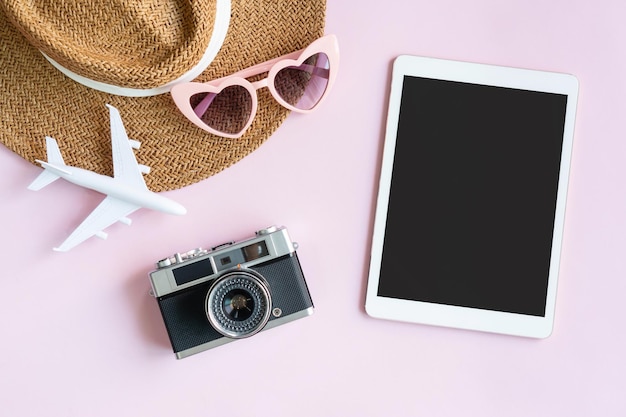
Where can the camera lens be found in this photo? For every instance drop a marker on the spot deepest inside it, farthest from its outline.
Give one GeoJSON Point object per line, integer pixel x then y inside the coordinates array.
{"type": "Point", "coordinates": [238, 303]}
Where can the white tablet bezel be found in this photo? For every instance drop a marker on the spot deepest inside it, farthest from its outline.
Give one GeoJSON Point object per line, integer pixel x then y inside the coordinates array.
{"type": "Point", "coordinates": [447, 315]}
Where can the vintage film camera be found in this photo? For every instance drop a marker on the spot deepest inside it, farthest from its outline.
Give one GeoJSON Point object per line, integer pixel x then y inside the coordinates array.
{"type": "Point", "coordinates": [212, 297]}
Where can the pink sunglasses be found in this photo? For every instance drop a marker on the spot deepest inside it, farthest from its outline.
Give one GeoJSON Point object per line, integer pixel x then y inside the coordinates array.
{"type": "Point", "coordinates": [298, 81]}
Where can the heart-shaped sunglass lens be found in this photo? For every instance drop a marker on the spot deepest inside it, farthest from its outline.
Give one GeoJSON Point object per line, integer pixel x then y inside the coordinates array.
{"type": "Point", "coordinates": [227, 111]}
{"type": "Point", "coordinates": [304, 85]}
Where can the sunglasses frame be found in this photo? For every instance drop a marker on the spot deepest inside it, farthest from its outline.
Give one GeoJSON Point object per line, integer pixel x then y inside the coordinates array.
{"type": "Point", "coordinates": [181, 93]}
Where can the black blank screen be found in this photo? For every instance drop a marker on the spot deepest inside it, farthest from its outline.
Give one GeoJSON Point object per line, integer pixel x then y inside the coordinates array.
{"type": "Point", "coordinates": [473, 196]}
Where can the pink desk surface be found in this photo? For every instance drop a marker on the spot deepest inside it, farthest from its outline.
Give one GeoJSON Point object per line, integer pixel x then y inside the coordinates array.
{"type": "Point", "coordinates": [82, 337]}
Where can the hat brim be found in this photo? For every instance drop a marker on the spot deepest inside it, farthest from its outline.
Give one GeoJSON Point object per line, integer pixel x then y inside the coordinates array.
{"type": "Point", "coordinates": [38, 101]}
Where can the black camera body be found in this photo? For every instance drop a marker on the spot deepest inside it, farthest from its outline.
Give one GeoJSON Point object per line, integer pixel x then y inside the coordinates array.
{"type": "Point", "coordinates": [211, 297]}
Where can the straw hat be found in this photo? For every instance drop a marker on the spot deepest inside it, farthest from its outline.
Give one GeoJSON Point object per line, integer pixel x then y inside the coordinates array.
{"type": "Point", "coordinates": [138, 48]}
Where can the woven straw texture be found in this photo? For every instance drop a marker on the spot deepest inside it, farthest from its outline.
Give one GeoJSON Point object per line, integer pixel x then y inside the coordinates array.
{"type": "Point", "coordinates": [37, 100]}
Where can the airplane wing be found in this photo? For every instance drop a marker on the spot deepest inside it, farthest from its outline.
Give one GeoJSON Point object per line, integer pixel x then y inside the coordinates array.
{"type": "Point", "coordinates": [125, 166]}
{"type": "Point", "coordinates": [108, 212]}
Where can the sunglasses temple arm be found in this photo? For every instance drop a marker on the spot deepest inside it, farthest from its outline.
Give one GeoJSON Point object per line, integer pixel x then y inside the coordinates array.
{"type": "Point", "coordinates": [204, 104]}
{"type": "Point", "coordinates": [265, 66]}
{"type": "Point", "coordinates": [312, 69]}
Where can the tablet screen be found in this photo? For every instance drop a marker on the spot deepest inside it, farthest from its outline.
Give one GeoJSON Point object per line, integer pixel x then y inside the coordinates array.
{"type": "Point", "coordinates": [472, 197]}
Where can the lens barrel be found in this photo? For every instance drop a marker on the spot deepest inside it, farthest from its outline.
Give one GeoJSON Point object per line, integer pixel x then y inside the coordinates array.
{"type": "Point", "coordinates": [239, 303]}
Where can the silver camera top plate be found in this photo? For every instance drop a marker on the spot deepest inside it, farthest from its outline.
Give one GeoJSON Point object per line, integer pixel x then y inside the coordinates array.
{"type": "Point", "coordinates": [183, 270]}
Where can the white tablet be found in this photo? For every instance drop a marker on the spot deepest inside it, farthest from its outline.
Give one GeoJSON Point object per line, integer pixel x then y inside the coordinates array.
{"type": "Point", "coordinates": [471, 201]}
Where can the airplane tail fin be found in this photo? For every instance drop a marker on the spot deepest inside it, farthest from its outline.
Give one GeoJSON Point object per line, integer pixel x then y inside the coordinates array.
{"type": "Point", "coordinates": [55, 160]}
{"type": "Point", "coordinates": [54, 154]}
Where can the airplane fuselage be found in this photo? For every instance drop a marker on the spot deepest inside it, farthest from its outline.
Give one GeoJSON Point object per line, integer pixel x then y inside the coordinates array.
{"type": "Point", "coordinates": [117, 189]}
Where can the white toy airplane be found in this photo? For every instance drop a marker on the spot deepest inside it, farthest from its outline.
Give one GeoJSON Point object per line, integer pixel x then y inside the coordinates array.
{"type": "Point", "coordinates": [125, 192]}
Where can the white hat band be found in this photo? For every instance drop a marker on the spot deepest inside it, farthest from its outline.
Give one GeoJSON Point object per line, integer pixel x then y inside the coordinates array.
{"type": "Point", "coordinates": [220, 28]}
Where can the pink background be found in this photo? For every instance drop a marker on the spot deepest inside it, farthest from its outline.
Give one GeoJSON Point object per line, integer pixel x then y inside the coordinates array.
{"type": "Point", "coordinates": [82, 337]}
